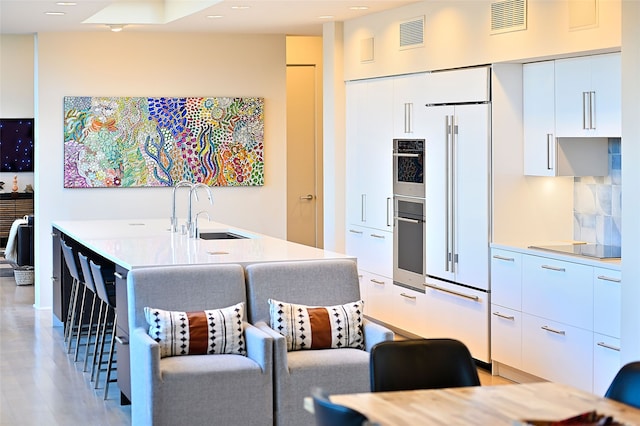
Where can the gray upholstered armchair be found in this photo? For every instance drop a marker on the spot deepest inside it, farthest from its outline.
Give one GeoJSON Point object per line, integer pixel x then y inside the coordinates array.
{"type": "Point", "coordinates": [313, 283]}
{"type": "Point", "coordinates": [196, 389]}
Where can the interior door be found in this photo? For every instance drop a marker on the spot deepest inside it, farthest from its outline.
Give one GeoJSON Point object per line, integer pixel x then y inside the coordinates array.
{"type": "Point", "coordinates": [301, 155]}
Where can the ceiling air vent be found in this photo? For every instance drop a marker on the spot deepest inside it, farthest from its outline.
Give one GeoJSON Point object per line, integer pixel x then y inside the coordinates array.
{"type": "Point", "coordinates": [412, 33]}
{"type": "Point", "coordinates": [508, 15]}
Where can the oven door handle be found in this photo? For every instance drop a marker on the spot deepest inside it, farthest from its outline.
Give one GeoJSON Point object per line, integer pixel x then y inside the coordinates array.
{"type": "Point", "coordinates": [406, 219]}
{"type": "Point", "coordinates": [401, 154]}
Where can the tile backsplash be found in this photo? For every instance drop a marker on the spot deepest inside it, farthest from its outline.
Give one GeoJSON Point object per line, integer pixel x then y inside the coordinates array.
{"type": "Point", "coordinates": [597, 203]}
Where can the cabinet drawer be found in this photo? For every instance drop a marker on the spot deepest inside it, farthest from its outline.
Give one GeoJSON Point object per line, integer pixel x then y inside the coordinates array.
{"type": "Point", "coordinates": [557, 352]}
{"type": "Point", "coordinates": [506, 336]}
{"type": "Point", "coordinates": [506, 278]}
{"type": "Point", "coordinates": [460, 313]}
{"type": "Point", "coordinates": [607, 301]}
{"type": "Point", "coordinates": [379, 292]}
{"type": "Point", "coordinates": [606, 362]}
{"type": "Point", "coordinates": [372, 247]}
{"type": "Point", "coordinates": [409, 308]}
{"type": "Point", "coordinates": [557, 290]}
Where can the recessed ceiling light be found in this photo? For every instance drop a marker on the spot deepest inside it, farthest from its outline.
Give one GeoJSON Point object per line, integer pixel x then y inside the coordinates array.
{"type": "Point", "coordinates": [239, 7]}
{"type": "Point", "coordinates": [54, 13]}
{"type": "Point", "coordinates": [215, 16]}
{"type": "Point", "coordinates": [116, 28]}
{"type": "Point", "coordinates": [66, 3]}
{"type": "Point", "coordinates": [359, 8]}
{"type": "Point", "coordinates": [326, 17]}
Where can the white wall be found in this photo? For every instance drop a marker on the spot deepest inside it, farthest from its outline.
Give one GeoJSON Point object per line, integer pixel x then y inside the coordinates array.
{"type": "Point", "coordinates": [159, 64]}
{"type": "Point", "coordinates": [16, 91]}
{"type": "Point", "coordinates": [457, 34]}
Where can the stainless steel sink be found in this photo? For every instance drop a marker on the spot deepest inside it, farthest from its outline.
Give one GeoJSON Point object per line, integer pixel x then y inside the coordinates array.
{"type": "Point", "coordinates": [220, 236]}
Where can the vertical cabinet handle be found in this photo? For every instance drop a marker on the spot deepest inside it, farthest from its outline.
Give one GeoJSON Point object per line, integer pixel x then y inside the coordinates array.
{"type": "Point", "coordinates": [408, 117]}
{"type": "Point", "coordinates": [585, 110]}
{"type": "Point", "coordinates": [363, 208]}
{"type": "Point", "coordinates": [389, 215]}
{"type": "Point", "coordinates": [592, 110]}
{"type": "Point", "coordinates": [550, 152]}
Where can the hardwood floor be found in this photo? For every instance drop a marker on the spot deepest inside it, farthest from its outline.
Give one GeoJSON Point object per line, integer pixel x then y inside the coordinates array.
{"type": "Point", "coordinates": [39, 383]}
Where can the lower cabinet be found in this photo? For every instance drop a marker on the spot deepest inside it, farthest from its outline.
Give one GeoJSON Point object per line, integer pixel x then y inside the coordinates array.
{"type": "Point", "coordinates": [556, 319]}
{"type": "Point", "coordinates": [410, 308]}
{"type": "Point", "coordinates": [377, 293]}
{"type": "Point", "coordinates": [606, 361]}
{"type": "Point", "coordinates": [506, 336]}
{"type": "Point", "coordinates": [458, 312]}
{"type": "Point", "coordinates": [557, 352]}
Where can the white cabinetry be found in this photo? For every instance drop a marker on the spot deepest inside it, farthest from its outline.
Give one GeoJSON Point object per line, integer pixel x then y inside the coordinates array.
{"type": "Point", "coordinates": [369, 153]}
{"type": "Point", "coordinates": [555, 319]}
{"type": "Point", "coordinates": [457, 193]}
{"type": "Point", "coordinates": [506, 305]}
{"type": "Point", "coordinates": [553, 146]}
{"type": "Point", "coordinates": [408, 106]}
{"type": "Point", "coordinates": [588, 96]}
{"type": "Point", "coordinates": [606, 327]}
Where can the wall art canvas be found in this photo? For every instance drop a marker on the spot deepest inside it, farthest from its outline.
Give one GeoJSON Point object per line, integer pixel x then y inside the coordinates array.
{"type": "Point", "coordinates": [144, 142]}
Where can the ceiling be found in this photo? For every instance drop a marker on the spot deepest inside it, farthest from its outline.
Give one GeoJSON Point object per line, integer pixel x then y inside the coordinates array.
{"type": "Point", "coordinates": [291, 17]}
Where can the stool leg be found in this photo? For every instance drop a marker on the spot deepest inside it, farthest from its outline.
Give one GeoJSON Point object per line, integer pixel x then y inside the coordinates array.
{"type": "Point", "coordinates": [73, 315]}
{"type": "Point", "coordinates": [97, 340]}
{"type": "Point", "coordinates": [70, 310]}
{"type": "Point", "coordinates": [86, 346]}
{"type": "Point", "coordinates": [110, 361]}
{"type": "Point", "coordinates": [79, 333]}
{"type": "Point", "coordinates": [102, 340]}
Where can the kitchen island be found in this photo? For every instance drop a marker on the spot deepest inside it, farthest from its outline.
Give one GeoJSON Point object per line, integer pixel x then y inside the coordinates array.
{"type": "Point", "coordinates": [124, 245]}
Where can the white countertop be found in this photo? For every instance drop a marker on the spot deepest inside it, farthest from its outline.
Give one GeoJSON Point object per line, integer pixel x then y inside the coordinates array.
{"type": "Point", "coordinates": [149, 242]}
{"type": "Point", "coordinates": [583, 260]}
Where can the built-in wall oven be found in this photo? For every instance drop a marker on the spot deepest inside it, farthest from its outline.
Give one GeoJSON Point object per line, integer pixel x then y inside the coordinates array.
{"type": "Point", "coordinates": [409, 242]}
{"type": "Point", "coordinates": [409, 213]}
{"type": "Point", "coordinates": [408, 167]}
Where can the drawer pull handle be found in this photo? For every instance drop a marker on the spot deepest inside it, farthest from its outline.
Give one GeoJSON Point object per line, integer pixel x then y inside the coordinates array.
{"type": "Point", "coordinates": [377, 236]}
{"type": "Point", "coordinates": [118, 275]}
{"type": "Point", "coordinates": [353, 231]}
{"type": "Point", "coordinates": [606, 278]}
{"type": "Point", "coordinates": [408, 296]}
{"type": "Point", "coordinates": [122, 340]}
{"type": "Point", "coordinates": [455, 293]}
{"type": "Point", "coordinates": [604, 345]}
{"type": "Point", "coordinates": [509, 317]}
{"type": "Point", "coordinates": [544, 327]}
{"type": "Point", "coordinates": [552, 268]}
{"type": "Point", "coordinates": [508, 259]}
{"type": "Point", "coordinates": [377, 281]}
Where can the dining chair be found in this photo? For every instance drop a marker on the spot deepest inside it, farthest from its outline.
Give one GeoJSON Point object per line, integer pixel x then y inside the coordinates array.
{"type": "Point", "coordinates": [625, 386]}
{"type": "Point", "coordinates": [328, 413]}
{"type": "Point", "coordinates": [421, 364]}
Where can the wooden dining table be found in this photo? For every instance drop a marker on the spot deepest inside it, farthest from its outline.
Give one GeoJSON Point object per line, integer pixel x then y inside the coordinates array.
{"type": "Point", "coordinates": [510, 404]}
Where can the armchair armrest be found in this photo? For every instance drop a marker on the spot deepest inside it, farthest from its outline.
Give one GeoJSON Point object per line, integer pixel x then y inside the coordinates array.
{"type": "Point", "coordinates": [145, 372]}
{"type": "Point", "coordinates": [279, 348]}
{"type": "Point", "coordinates": [259, 346]}
{"type": "Point", "coordinates": [374, 334]}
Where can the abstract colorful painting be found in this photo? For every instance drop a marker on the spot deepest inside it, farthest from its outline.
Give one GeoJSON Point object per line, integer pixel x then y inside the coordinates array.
{"type": "Point", "coordinates": [140, 142]}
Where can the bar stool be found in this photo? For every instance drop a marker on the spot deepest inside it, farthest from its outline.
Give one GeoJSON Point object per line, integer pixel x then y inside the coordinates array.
{"type": "Point", "coordinates": [89, 285]}
{"type": "Point", "coordinates": [110, 308]}
{"type": "Point", "coordinates": [69, 324]}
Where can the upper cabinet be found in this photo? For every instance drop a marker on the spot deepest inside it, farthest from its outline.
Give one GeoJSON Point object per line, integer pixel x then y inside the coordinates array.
{"type": "Point", "coordinates": [408, 106]}
{"type": "Point", "coordinates": [588, 96]}
{"type": "Point", "coordinates": [570, 108]}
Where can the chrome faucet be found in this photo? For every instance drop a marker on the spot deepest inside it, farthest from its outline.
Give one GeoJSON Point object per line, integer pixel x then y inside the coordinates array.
{"type": "Point", "coordinates": [197, 232]}
{"type": "Point", "coordinates": [191, 228]}
{"type": "Point", "coordinates": [174, 218]}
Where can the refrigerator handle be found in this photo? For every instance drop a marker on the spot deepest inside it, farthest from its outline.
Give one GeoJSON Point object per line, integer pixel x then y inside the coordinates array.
{"type": "Point", "coordinates": [452, 212]}
{"type": "Point", "coordinates": [447, 225]}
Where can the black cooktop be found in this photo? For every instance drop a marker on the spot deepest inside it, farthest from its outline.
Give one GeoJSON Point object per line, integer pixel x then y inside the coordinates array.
{"type": "Point", "coordinates": [598, 251]}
